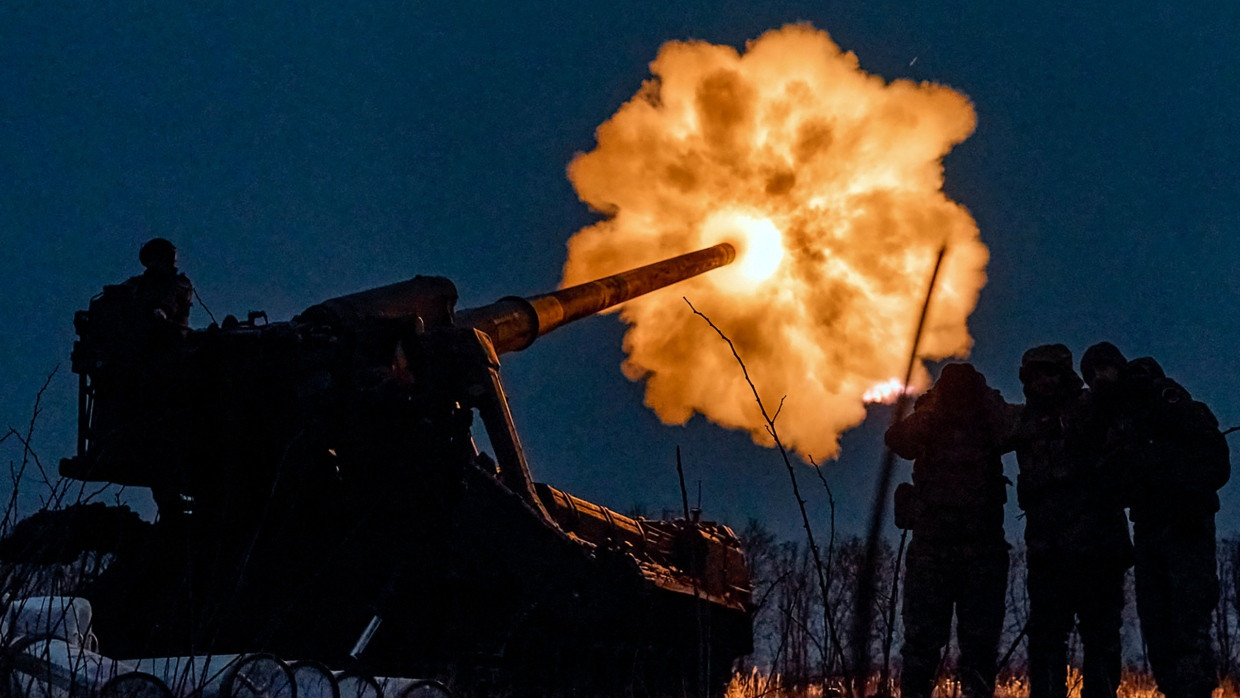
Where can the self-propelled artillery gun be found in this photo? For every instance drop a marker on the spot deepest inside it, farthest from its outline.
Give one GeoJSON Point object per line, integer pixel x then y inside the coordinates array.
{"type": "Point", "coordinates": [322, 495]}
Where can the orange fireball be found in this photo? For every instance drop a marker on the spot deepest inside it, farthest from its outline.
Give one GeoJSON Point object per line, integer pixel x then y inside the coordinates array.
{"type": "Point", "coordinates": [829, 182]}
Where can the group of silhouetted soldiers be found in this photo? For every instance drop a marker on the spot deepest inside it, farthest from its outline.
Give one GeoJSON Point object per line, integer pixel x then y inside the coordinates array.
{"type": "Point", "coordinates": [1133, 439]}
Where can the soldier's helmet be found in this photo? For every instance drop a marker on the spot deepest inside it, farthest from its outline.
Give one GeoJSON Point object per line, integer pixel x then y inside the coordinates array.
{"type": "Point", "coordinates": [1101, 354]}
{"type": "Point", "coordinates": [1145, 376]}
{"type": "Point", "coordinates": [960, 382]}
{"type": "Point", "coordinates": [1144, 369]}
{"type": "Point", "coordinates": [158, 251]}
{"type": "Point", "coordinates": [1055, 357]}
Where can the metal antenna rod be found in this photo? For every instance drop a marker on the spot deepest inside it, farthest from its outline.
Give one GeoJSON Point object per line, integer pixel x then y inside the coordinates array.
{"type": "Point", "coordinates": [864, 614]}
{"type": "Point", "coordinates": [684, 495]}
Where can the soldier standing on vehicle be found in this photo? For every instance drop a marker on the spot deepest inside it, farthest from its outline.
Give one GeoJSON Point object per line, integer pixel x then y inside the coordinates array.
{"type": "Point", "coordinates": [161, 291]}
{"type": "Point", "coordinates": [1076, 534]}
{"type": "Point", "coordinates": [1178, 460]}
{"type": "Point", "coordinates": [958, 557]}
{"type": "Point", "coordinates": [144, 344]}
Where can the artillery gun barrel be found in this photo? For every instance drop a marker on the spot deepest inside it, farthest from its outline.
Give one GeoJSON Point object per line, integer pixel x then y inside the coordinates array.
{"type": "Point", "coordinates": [513, 323]}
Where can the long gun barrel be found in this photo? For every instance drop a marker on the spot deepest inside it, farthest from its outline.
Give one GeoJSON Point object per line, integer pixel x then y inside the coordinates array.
{"type": "Point", "coordinates": [513, 323]}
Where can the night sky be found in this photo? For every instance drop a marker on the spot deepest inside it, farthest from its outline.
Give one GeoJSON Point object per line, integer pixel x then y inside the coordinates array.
{"type": "Point", "coordinates": [299, 153]}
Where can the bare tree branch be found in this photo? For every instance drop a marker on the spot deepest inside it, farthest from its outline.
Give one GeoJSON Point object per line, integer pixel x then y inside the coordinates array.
{"type": "Point", "coordinates": [28, 454]}
{"type": "Point", "coordinates": [783, 452]}
{"type": "Point", "coordinates": [34, 416]}
{"type": "Point", "coordinates": [828, 618]}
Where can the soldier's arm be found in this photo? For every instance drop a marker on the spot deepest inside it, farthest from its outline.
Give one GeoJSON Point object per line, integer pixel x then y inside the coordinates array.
{"type": "Point", "coordinates": [1186, 434]}
{"type": "Point", "coordinates": [1008, 422]}
{"type": "Point", "coordinates": [908, 436]}
{"type": "Point", "coordinates": [178, 301]}
{"type": "Point", "coordinates": [1207, 448]}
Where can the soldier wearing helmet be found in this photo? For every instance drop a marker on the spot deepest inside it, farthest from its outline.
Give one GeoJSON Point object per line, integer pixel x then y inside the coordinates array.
{"type": "Point", "coordinates": [958, 558]}
{"type": "Point", "coordinates": [135, 331]}
{"type": "Point", "coordinates": [1176, 460]}
{"type": "Point", "coordinates": [1076, 535]}
{"type": "Point", "coordinates": [161, 292]}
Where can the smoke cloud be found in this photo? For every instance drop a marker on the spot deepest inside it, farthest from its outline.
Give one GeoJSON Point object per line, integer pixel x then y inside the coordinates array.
{"type": "Point", "coordinates": [829, 182]}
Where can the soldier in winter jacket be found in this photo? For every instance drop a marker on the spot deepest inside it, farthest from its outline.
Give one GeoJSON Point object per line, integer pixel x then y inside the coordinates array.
{"type": "Point", "coordinates": [958, 558]}
{"type": "Point", "coordinates": [1076, 534]}
{"type": "Point", "coordinates": [1176, 459]}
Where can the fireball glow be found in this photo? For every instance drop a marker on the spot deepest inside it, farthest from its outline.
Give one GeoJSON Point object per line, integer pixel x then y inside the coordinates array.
{"type": "Point", "coordinates": [759, 243]}
{"type": "Point", "coordinates": [829, 182]}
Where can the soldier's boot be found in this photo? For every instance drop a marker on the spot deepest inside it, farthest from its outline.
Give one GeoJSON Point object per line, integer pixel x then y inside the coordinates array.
{"type": "Point", "coordinates": [1050, 584]}
{"type": "Point", "coordinates": [927, 616]}
{"type": "Point", "coordinates": [1102, 666]}
{"type": "Point", "coordinates": [1195, 675]}
{"type": "Point", "coordinates": [979, 623]}
{"type": "Point", "coordinates": [978, 664]}
{"type": "Point", "coordinates": [1156, 630]}
{"type": "Point", "coordinates": [1194, 576]}
{"type": "Point", "coordinates": [1048, 665]}
{"type": "Point", "coordinates": [918, 673]}
{"type": "Point", "coordinates": [1101, 617]}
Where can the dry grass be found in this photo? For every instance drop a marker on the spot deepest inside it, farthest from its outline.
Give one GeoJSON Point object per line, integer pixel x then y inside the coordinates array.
{"type": "Point", "coordinates": [1229, 689]}
{"type": "Point", "coordinates": [1134, 684]}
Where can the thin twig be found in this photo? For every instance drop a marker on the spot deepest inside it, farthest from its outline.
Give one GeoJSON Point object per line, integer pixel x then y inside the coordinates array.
{"type": "Point", "coordinates": [783, 452]}
{"type": "Point", "coordinates": [28, 456]}
{"type": "Point", "coordinates": [1007, 656]}
{"type": "Point", "coordinates": [16, 474]}
{"type": "Point", "coordinates": [34, 416]}
{"type": "Point", "coordinates": [891, 609]}
{"type": "Point", "coordinates": [771, 589]}
{"type": "Point", "coordinates": [828, 617]}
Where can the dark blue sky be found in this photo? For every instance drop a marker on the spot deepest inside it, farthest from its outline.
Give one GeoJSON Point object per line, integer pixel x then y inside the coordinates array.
{"type": "Point", "coordinates": [317, 148]}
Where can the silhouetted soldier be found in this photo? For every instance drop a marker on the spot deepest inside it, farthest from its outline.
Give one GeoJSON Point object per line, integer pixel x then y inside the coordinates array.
{"type": "Point", "coordinates": [1076, 534]}
{"type": "Point", "coordinates": [133, 336]}
{"type": "Point", "coordinates": [958, 558]}
{"type": "Point", "coordinates": [162, 293]}
{"type": "Point", "coordinates": [1178, 460]}
{"type": "Point", "coordinates": [130, 333]}
{"type": "Point", "coordinates": [1109, 414]}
